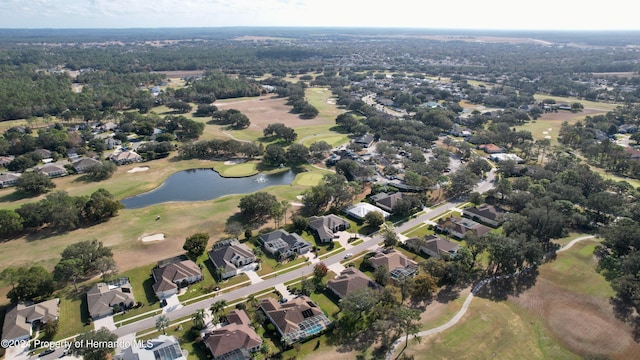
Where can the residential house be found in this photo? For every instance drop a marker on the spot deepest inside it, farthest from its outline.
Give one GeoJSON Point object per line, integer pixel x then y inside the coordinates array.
{"type": "Point", "coordinates": [296, 319]}
{"type": "Point", "coordinates": [350, 280]}
{"type": "Point", "coordinates": [365, 140]}
{"type": "Point", "coordinates": [44, 153]}
{"type": "Point", "coordinates": [458, 227]}
{"type": "Point", "coordinates": [5, 160]}
{"type": "Point", "coordinates": [235, 340]}
{"type": "Point", "coordinates": [52, 170]}
{"type": "Point", "coordinates": [398, 265]}
{"type": "Point", "coordinates": [20, 320]}
{"type": "Point", "coordinates": [485, 213]}
{"type": "Point", "coordinates": [633, 153]}
{"type": "Point", "coordinates": [111, 143]}
{"type": "Point", "coordinates": [504, 157]}
{"type": "Point", "coordinates": [103, 297]}
{"type": "Point", "coordinates": [627, 129]}
{"type": "Point", "coordinates": [8, 179]}
{"type": "Point", "coordinates": [460, 131]}
{"type": "Point", "coordinates": [172, 274]}
{"type": "Point", "coordinates": [490, 148]}
{"type": "Point", "coordinates": [230, 256]}
{"type": "Point", "coordinates": [84, 164]}
{"type": "Point", "coordinates": [282, 244]}
{"type": "Point", "coordinates": [360, 210]}
{"type": "Point", "coordinates": [125, 157]}
{"type": "Point", "coordinates": [325, 227]}
{"type": "Point", "coordinates": [433, 245]}
{"type": "Point", "coordinates": [386, 202]}
{"type": "Point", "coordinates": [109, 126]}
{"type": "Point", "coordinates": [161, 348]}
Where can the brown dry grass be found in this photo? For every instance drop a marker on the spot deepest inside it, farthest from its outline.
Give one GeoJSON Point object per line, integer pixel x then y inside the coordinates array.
{"type": "Point", "coordinates": [268, 109]}
{"type": "Point", "coordinates": [584, 324]}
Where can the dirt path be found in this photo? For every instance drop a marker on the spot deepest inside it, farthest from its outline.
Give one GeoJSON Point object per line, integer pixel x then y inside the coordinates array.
{"type": "Point", "coordinates": [454, 320]}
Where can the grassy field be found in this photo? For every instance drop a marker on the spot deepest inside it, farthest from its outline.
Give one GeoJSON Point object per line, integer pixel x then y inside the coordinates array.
{"type": "Point", "coordinates": [308, 179]}
{"type": "Point", "coordinates": [604, 107]}
{"type": "Point", "coordinates": [237, 170]}
{"type": "Point", "coordinates": [332, 139]}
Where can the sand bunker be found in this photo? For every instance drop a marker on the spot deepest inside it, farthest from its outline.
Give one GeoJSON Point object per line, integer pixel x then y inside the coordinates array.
{"type": "Point", "coordinates": [547, 137]}
{"type": "Point", "coordinates": [138, 169]}
{"type": "Point", "coordinates": [154, 237]}
{"type": "Point", "coordinates": [235, 162]}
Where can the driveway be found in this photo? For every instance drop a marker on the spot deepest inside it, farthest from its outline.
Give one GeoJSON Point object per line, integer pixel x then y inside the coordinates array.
{"type": "Point", "coordinates": [173, 303]}
{"type": "Point", "coordinates": [253, 276]}
{"type": "Point", "coordinates": [105, 322]}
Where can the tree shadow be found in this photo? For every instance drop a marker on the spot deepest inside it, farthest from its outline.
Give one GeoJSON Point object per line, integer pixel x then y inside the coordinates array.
{"type": "Point", "coordinates": [447, 294]}
{"type": "Point", "coordinates": [149, 294]}
{"type": "Point", "coordinates": [500, 289]}
{"type": "Point", "coordinates": [16, 196]}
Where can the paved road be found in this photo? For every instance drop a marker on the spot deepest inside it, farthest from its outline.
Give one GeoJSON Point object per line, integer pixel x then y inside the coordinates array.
{"type": "Point", "coordinates": [149, 323]}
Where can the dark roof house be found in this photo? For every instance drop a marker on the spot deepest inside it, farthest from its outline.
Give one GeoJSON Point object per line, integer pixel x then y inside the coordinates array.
{"type": "Point", "coordinates": [365, 140]}
{"type": "Point", "coordinates": [8, 179]}
{"type": "Point", "coordinates": [52, 170]}
{"type": "Point", "coordinates": [326, 226]}
{"type": "Point", "coordinates": [433, 245]}
{"type": "Point", "coordinates": [283, 244]}
{"type": "Point", "coordinates": [387, 202]}
{"type": "Point", "coordinates": [82, 165]}
{"type": "Point", "coordinates": [169, 277]}
{"type": "Point", "coordinates": [103, 297]}
{"type": "Point", "coordinates": [230, 256]}
{"type": "Point", "coordinates": [458, 227]}
{"type": "Point", "coordinates": [488, 214]}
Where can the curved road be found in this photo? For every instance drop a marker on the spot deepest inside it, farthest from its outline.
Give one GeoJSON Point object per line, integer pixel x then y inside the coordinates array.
{"type": "Point", "coordinates": [465, 306]}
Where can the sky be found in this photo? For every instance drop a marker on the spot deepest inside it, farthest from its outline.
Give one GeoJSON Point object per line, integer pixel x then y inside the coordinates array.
{"type": "Point", "coordinates": [457, 14]}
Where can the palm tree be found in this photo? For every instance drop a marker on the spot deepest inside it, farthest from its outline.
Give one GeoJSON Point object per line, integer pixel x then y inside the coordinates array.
{"type": "Point", "coordinates": [253, 301]}
{"type": "Point", "coordinates": [198, 319]}
{"type": "Point", "coordinates": [217, 307]}
{"type": "Point", "coordinates": [162, 323]}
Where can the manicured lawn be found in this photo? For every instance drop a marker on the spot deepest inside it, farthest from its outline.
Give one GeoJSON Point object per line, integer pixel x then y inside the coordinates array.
{"type": "Point", "coordinates": [419, 231]}
{"type": "Point", "coordinates": [308, 179]}
{"type": "Point", "coordinates": [574, 270]}
{"type": "Point", "coordinates": [585, 103]}
{"type": "Point", "coordinates": [74, 313]}
{"type": "Point", "coordinates": [332, 139]}
{"type": "Point", "coordinates": [270, 265]}
{"type": "Point", "coordinates": [326, 302]}
{"type": "Point", "coordinates": [238, 170]}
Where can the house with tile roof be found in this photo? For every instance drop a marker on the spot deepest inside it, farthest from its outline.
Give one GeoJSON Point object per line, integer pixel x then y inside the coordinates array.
{"type": "Point", "coordinates": [433, 245]}
{"type": "Point", "coordinates": [325, 227]}
{"type": "Point", "coordinates": [9, 179]}
{"type": "Point", "coordinates": [296, 319]}
{"type": "Point", "coordinates": [170, 276]}
{"type": "Point", "coordinates": [84, 164]}
{"type": "Point", "coordinates": [488, 214]}
{"type": "Point", "coordinates": [20, 320]}
{"type": "Point", "coordinates": [52, 170]}
{"type": "Point", "coordinates": [125, 157]}
{"type": "Point", "coordinates": [458, 227]}
{"type": "Point", "coordinates": [350, 280]}
{"type": "Point", "coordinates": [103, 297]}
{"type": "Point", "coordinates": [230, 256]}
{"type": "Point", "coordinates": [388, 201]}
{"type": "Point", "coordinates": [235, 340]}
{"type": "Point", "coordinates": [395, 262]}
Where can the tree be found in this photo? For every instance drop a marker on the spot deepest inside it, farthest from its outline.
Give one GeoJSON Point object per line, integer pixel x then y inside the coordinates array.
{"type": "Point", "coordinates": [297, 154]}
{"type": "Point", "coordinates": [162, 323]}
{"type": "Point", "coordinates": [196, 244]}
{"type": "Point", "coordinates": [87, 255]}
{"type": "Point", "coordinates": [381, 275]}
{"type": "Point", "coordinates": [319, 147]}
{"type": "Point", "coordinates": [374, 219]}
{"type": "Point", "coordinates": [102, 171]}
{"type": "Point", "coordinates": [462, 182]}
{"type": "Point", "coordinates": [34, 183]}
{"type": "Point", "coordinates": [101, 206]}
{"type": "Point", "coordinates": [300, 223]}
{"type": "Point", "coordinates": [217, 307]}
{"type": "Point", "coordinates": [389, 235]}
{"type": "Point", "coordinates": [256, 207]}
{"type": "Point", "coordinates": [85, 347]}
{"type": "Point", "coordinates": [274, 155]}
{"type": "Point", "coordinates": [405, 320]}
{"type": "Point", "coordinates": [234, 229]}
{"type": "Point", "coordinates": [198, 319]}
{"type": "Point", "coordinates": [10, 222]}
{"type": "Point", "coordinates": [424, 286]}
{"type": "Point", "coordinates": [68, 269]}
{"type": "Point", "coordinates": [50, 329]}
{"type": "Point", "coordinates": [31, 284]}
{"type": "Point", "coordinates": [320, 270]}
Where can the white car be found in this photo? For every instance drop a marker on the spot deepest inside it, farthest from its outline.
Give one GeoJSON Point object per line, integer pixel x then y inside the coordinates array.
{"type": "Point", "coordinates": [348, 255]}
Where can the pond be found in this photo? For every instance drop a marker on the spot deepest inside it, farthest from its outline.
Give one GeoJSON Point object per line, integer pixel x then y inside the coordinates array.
{"type": "Point", "coordinates": [205, 184]}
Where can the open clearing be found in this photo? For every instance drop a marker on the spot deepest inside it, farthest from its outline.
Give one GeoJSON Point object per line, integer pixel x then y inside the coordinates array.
{"type": "Point", "coordinates": [566, 315]}
{"type": "Point", "coordinates": [548, 125]}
